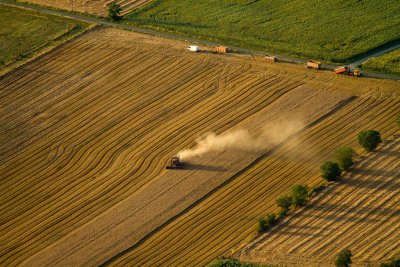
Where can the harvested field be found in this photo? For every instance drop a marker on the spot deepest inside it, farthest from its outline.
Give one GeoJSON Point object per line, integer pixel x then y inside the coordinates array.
{"type": "Point", "coordinates": [228, 216]}
{"type": "Point", "coordinates": [88, 128]}
{"type": "Point", "coordinates": [360, 213]}
{"type": "Point", "coordinates": [97, 7]}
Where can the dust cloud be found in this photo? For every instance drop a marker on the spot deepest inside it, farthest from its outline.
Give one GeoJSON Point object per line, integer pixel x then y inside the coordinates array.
{"type": "Point", "coordinates": [242, 139]}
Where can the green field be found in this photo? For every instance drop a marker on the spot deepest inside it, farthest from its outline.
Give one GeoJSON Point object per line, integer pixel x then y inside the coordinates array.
{"type": "Point", "coordinates": [330, 30]}
{"type": "Point", "coordinates": [388, 63]}
{"type": "Point", "coordinates": [23, 33]}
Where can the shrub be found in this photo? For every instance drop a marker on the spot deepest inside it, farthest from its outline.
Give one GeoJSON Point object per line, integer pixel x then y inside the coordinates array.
{"type": "Point", "coordinates": [114, 11]}
{"type": "Point", "coordinates": [344, 258]}
{"type": "Point", "coordinates": [284, 202]}
{"type": "Point", "coordinates": [299, 195]}
{"type": "Point", "coordinates": [393, 263]}
{"type": "Point", "coordinates": [231, 263]}
{"type": "Point", "coordinates": [344, 157]}
{"type": "Point", "coordinates": [369, 139]}
{"type": "Point", "coordinates": [330, 171]}
{"type": "Point", "coordinates": [262, 225]}
{"type": "Point", "coordinates": [271, 219]}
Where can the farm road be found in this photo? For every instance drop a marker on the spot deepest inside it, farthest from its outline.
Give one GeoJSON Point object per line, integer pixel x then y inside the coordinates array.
{"type": "Point", "coordinates": [103, 22]}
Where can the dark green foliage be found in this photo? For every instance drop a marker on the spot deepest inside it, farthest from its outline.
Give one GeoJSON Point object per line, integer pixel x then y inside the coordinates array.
{"type": "Point", "coordinates": [233, 263]}
{"type": "Point", "coordinates": [114, 11]}
{"type": "Point", "coordinates": [330, 171]}
{"type": "Point", "coordinates": [271, 219]}
{"type": "Point", "coordinates": [393, 263]}
{"type": "Point", "coordinates": [344, 258]}
{"type": "Point", "coordinates": [369, 139]}
{"type": "Point", "coordinates": [344, 157]}
{"type": "Point", "coordinates": [387, 63]}
{"type": "Point", "coordinates": [284, 202]}
{"type": "Point", "coordinates": [262, 225]}
{"type": "Point", "coordinates": [299, 195]}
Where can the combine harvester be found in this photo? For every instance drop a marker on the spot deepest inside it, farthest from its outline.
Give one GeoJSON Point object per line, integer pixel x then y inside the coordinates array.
{"type": "Point", "coordinates": [176, 163]}
{"type": "Point", "coordinates": [346, 70]}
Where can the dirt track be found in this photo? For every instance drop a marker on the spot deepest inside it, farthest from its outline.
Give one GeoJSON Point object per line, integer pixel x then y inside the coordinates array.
{"type": "Point", "coordinates": [94, 122]}
{"type": "Point", "coordinates": [360, 213]}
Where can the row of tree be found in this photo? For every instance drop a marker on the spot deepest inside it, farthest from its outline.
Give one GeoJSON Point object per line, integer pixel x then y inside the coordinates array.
{"type": "Point", "coordinates": [332, 171]}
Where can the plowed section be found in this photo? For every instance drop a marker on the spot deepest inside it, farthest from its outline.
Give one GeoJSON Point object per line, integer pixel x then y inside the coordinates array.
{"type": "Point", "coordinates": [98, 7]}
{"type": "Point", "coordinates": [95, 120]}
{"type": "Point", "coordinates": [229, 215]}
{"type": "Point", "coordinates": [361, 213]}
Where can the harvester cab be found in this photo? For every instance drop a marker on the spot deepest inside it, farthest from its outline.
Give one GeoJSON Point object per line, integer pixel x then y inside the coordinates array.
{"type": "Point", "coordinates": [176, 163]}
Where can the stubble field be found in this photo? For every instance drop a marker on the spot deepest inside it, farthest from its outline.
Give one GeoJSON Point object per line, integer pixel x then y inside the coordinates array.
{"type": "Point", "coordinates": [87, 130]}
{"type": "Point", "coordinates": [359, 213]}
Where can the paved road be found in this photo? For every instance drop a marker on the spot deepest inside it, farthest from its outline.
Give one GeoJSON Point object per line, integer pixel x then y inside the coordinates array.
{"type": "Point", "coordinates": [104, 22]}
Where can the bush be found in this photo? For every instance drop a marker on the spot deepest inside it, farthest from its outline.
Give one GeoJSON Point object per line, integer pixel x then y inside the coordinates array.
{"type": "Point", "coordinates": [299, 195]}
{"type": "Point", "coordinates": [330, 171]}
{"type": "Point", "coordinates": [344, 258]}
{"type": "Point", "coordinates": [284, 202]}
{"type": "Point", "coordinates": [344, 157]}
{"type": "Point", "coordinates": [231, 263]}
{"type": "Point", "coordinates": [393, 263]}
{"type": "Point", "coordinates": [262, 225]}
{"type": "Point", "coordinates": [271, 219]}
{"type": "Point", "coordinates": [114, 11]}
{"type": "Point", "coordinates": [369, 139]}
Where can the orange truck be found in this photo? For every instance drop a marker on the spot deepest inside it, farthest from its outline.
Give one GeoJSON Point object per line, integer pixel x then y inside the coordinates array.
{"type": "Point", "coordinates": [346, 70]}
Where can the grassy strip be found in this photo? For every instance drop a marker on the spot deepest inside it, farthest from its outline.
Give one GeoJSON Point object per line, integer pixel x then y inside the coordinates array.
{"type": "Point", "coordinates": [24, 34]}
{"type": "Point", "coordinates": [388, 63]}
{"type": "Point", "coordinates": [328, 30]}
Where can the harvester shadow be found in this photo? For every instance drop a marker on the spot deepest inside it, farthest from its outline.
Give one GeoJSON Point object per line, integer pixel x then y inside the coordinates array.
{"type": "Point", "coordinates": [201, 167]}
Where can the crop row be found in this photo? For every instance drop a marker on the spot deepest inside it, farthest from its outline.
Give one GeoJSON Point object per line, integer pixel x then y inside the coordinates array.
{"type": "Point", "coordinates": [229, 216]}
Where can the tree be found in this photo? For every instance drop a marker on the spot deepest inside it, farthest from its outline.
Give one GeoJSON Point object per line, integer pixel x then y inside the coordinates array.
{"type": "Point", "coordinates": [299, 195]}
{"type": "Point", "coordinates": [344, 157]}
{"type": "Point", "coordinates": [344, 258]}
{"type": "Point", "coordinates": [330, 171]}
{"type": "Point", "coordinates": [284, 202]}
{"type": "Point", "coordinates": [262, 225]}
{"type": "Point", "coordinates": [392, 263]}
{"type": "Point", "coordinates": [369, 139]}
{"type": "Point", "coordinates": [271, 219]}
{"type": "Point", "coordinates": [114, 11]}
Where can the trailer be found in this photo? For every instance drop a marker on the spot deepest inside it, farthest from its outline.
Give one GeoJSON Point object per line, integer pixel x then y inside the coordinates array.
{"type": "Point", "coordinates": [311, 64]}
{"type": "Point", "coordinates": [270, 58]}
{"type": "Point", "coordinates": [221, 49]}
